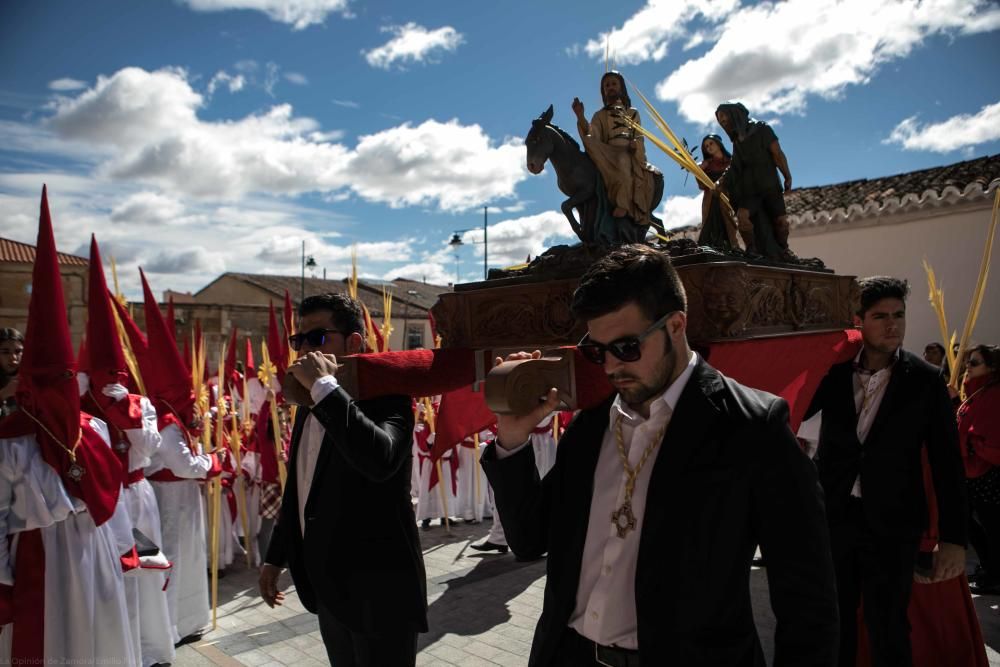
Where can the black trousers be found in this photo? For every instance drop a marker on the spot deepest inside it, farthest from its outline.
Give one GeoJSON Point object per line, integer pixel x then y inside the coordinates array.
{"type": "Point", "coordinates": [984, 534]}
{"type": "Point", "coordinates": [347, 648]}
{"type": "Point", "coordinates": [878, 573]}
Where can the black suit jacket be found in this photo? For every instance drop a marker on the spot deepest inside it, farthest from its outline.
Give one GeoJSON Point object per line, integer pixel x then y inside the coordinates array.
{"type": "Point", "coordinates": [728, 475]}
{"type": "Point", "coordinates": [915, 412]}
{"type": "Point", "coordinates": [360, 555]}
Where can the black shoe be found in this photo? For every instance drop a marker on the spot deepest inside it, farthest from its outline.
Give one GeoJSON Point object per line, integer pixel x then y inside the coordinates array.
{"type": "Point", "coordinates": [490, 546]}
{"type": "Point", "coordinates": [425, 524]}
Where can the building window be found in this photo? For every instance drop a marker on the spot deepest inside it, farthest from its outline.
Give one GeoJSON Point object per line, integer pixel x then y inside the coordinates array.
{"type": "Point", "coordinates": [414, 336]}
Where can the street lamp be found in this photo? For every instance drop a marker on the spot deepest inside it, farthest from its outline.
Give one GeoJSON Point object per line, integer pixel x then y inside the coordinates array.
{"type": "Point", "coordinates": [456, 241]}
{"type": "Point", "coordinates": [306, 261]}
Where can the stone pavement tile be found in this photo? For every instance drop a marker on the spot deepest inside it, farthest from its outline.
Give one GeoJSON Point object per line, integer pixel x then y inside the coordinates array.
{"type": "Point", "coordinates": [517, 632]}
{"type": "Point", "coordinates": [318, 652]}
{"type": "Point", "coordinates": [447, 653]}
{"type": "Point", "coordinates": [427, 660]}
{"type": "Point", "coordinates": [506, 643]}
{"type": "Point", "coordinates": [458, 641]}
{"type": "Point", "coordinates": [483, 650]}
{"type": "Point", "coordinates": [511, 660]}
{"type": "Point", "coordinates": [459, 657]}
{"type": "Point", "coordinates": [284, 653]}
{"type": "Point", "coordinates": [253, 658]}
{"type": "Point", "coordinates": [188, 656]}
{"type": "Point", "coordinates": [236, 644]}
{"type": "Point", "coordinates": [303, 642]}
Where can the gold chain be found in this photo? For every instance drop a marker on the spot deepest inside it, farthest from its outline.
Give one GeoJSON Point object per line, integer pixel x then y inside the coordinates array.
{"type": "Point", "coordinates": [71, 452]}
{"type": "Point", "coordinates": [630, 473]}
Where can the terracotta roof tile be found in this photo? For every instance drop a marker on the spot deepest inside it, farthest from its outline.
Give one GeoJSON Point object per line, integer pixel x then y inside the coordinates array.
{"type": "Point", "coordinates": [980, 171]}
{"type": "Point", "coordinates": [22, 253]}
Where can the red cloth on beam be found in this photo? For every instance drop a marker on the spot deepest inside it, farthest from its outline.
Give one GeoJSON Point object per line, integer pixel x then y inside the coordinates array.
{"type": "Point", "coordinates": [788, 366]}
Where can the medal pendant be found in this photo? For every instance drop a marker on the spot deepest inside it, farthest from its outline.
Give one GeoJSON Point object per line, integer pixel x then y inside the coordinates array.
{"type": "Point", "coordinates": [623, 519]}
{"type": "Point", "coordinates": [76, 472]}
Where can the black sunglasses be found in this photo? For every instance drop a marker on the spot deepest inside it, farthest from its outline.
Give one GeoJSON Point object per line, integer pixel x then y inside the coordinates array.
{"type": "Point", "coordinates": [973, 363]}
{"type": "Point", "coordinates": [315, 338]}
{"type": "Point", "coordinates": [626, 349]}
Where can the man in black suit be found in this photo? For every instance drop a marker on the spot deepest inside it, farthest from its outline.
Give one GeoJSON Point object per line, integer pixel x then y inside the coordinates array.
{"type": "Point", "coordinates": [659, 497]}
{"type": "Point", "coordinates": [879, 411]}
{"type": "Point", "coordinates": [348, 458]}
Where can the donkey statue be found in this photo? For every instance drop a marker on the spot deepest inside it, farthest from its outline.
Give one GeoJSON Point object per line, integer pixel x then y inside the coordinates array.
{"type": "Point", "coordinates": [579, 179]}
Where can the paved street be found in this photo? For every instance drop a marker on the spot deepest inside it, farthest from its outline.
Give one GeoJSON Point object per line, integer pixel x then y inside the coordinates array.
{"type": "Point", "coordinates": [482, 611]}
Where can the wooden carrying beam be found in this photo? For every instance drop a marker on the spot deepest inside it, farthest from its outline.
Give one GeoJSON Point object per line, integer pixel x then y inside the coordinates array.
{"type": "Point", "coordinates": [516, 387]}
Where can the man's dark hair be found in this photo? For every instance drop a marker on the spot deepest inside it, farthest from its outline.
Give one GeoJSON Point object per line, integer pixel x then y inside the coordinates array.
{"type": "Point", "coordinates": [345, 311]}
{"type": "Point", "coordinates": [936, 346]}
{"type": "Point", "coordinates": [10, 333]}
{"type": "Point", "coordinates": [876, 288]}
{"type": "Point", "coordinates": [632, 273]}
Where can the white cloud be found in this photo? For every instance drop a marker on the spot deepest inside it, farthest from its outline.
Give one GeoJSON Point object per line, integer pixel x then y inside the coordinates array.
{"type": "Point", "coordinates": [148, 126]}
{"type": "Point", "coordinates": [511, 241]}
{"type": "Point", "coordinates": [648, 33]}
{"type": "Point", "coordinates": [296, 78]}
{"type": "Point", "coordinates": [680, 211]}
{"type": "Point", "coordinates": [456, 166]}
{"type": "Point", "coordinates": [432, 272]}
{"type": "Point", "coordinates": [957, 132]}
{"type": "Point", "coordinates": [184, 261]}
{"type": "Point", "coordinates": [223, 78]}
{"type": "Point", "coordinates": [190, 246]}
{"type": "Point", "coordinates": [298, 13]}
{"type": "Point", "coordinates": [348, 104]}
{"type": "Point", "coordinates": [65, 85]}
{"type": "Point", "coordinates": [774, 56]}
{"type": "Point", "coordinates": [147, 208]}
{"type": "Point", "coordinates": [412, 43]}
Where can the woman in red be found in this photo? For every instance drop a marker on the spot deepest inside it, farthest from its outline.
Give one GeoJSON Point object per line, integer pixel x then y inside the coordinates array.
{"type": "Point", "coordinates": [718, 230]}
{"type": "Point", "coordinates": [979, 436]}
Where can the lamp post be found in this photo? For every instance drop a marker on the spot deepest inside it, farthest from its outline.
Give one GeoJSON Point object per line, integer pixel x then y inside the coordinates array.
{"type": "Point", "coordinates": [456, 241]}
{"type": "Point", "coordinates": [306, 261]}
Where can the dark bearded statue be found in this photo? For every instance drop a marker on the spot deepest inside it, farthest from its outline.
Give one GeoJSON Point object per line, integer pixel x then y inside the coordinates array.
{"type": "Point", "coordinates": [752, 184]}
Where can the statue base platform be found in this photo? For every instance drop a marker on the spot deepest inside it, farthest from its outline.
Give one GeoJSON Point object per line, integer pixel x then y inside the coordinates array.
{"type": "Point", "coordinates": [730, 297]}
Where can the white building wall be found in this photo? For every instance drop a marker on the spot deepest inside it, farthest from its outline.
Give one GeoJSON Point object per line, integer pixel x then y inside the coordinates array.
{"type": "Point", "coordinates": [950, 238]}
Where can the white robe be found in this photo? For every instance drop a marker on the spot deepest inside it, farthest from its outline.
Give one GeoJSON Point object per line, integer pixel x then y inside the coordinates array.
{"type": "Point", "coordinates": [472, 503]}
{"type": "Point", "coordinates": [251, 465]}
{"type": "Point", "coordinates": [148, 603]}
{"type": "Point", "coordinates": [429, 499]}
{"type": "Point", "coordinates": [86, 616]}
{"type": "Point", "coordinates": [229, 547]}
{"type": "Point", "coordinates": [182, 523]}
{"type": "Point", "coordinates": [545, 447]}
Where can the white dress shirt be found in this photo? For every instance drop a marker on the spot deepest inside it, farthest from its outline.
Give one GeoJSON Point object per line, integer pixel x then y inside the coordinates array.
{"type": "Point", "coordinates": [309, 446]}
{"type": "Point", "coordinates": [605, 595]}
{"type": "Point", "coordinates": [869, 389]}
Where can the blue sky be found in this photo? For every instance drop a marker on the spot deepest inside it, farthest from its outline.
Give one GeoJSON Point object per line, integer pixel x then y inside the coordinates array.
{"type": "Point", "coordinates": [201, 136]}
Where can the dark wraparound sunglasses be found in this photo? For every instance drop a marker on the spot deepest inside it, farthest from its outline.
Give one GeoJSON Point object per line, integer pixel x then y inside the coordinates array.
{"type": "Point", "coordinates": [315, 338]}
{"type": "Point", "coordinates": [974, 363]}
{"type": "Point", "coordinates": [626, 349]}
